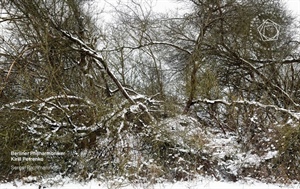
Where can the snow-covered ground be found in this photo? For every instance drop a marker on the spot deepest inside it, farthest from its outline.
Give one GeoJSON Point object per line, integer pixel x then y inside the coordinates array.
{"type": "Point", "coordinates": [217, 144]}
{"type": "Point", "coordinates": [205, 183]}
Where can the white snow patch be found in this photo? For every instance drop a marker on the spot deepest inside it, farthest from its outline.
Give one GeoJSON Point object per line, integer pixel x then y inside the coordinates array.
{"type": "Point", "coordinates": [203, 183]}
{"type": "Point", "coordinates": [270, 155]}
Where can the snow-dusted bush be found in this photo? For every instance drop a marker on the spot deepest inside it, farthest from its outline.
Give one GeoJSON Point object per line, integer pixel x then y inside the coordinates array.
{"type": "Point", "coordinates": [288, 160]}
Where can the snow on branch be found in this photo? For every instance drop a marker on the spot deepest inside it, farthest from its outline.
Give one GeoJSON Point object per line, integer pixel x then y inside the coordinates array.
{"type": "Point", "coordinates": [276, 87]}
{"type": "Point", "coordinates": [24, 101]}
{"type": "Point", "coordinates": [102, 65]}
{"type": "Point", "coordinates": [295, 115]}
{"type": "Point", "coordinates": [42, 109]}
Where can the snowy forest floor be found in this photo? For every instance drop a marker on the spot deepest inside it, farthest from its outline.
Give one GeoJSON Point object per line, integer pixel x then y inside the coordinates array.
{"type": "Point", "coordinates": [226, 153]}
{"type": "Point", "coordinates": [205, 183]}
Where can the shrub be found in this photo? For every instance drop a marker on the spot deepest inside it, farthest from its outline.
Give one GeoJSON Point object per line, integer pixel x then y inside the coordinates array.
{"type": "Point", "coordinates": [288, 161]}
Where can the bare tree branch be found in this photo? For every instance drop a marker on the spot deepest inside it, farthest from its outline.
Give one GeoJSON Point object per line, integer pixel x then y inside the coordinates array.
{"type": "Point", "coordinates": [103, 64]}
{"type": "Point", "coordinates": [261, 75]}
{"type": "Point", "coordinates": [292, 113]}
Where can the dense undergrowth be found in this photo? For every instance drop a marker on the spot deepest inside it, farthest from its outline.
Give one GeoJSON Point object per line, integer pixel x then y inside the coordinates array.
{"type": "Point", "coordinates": [149, 97]}
{"type": "Point", "coordinates": [142, 144]}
